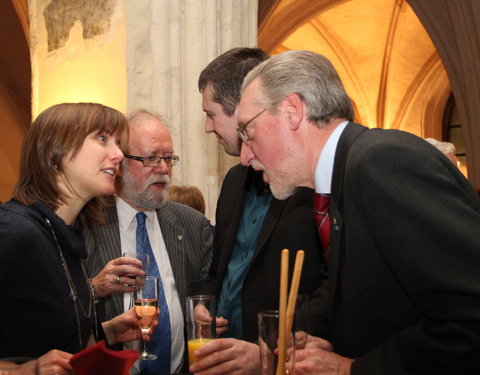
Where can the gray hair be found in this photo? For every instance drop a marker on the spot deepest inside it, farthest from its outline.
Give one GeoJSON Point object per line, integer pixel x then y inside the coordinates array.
{"type": "Point", "coordinates": [307, 74]}
{"type": "Point", "coordinates": [444, 147]}
{"type": "Point", "coordinates": [140, 114]}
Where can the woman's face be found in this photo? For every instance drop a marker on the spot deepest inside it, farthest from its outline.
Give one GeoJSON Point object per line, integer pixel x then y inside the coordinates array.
{"type": "Point", "coordinates": [91, 172]}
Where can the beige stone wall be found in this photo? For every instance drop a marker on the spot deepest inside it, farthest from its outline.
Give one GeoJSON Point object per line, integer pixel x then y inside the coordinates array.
{"type": "Point", "coordinates": [142, 53]}
{"type": "Point", "coordinates": [168, 45]}
{"type": "Point", "coordinates": [77, 52]}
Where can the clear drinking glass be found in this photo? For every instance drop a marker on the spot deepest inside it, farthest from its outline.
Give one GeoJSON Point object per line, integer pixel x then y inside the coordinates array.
{"type": "Point", "coordinates": [146, 304]}
{"type": "Point", "coordinates": [201, 312]}
{"type": "Point", "coordinates": [301, 321]}
{"type": "Point", "coordinates": [144, 258]}
{"type": "Point", "coordinates": [268, 322]}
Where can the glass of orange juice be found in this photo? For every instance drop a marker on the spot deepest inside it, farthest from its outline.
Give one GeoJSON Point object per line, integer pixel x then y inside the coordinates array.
{"type": "Point", "coordinates": [201, 312]}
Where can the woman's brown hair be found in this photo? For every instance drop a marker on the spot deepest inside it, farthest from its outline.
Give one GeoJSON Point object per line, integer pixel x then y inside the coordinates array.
{"type": "Point", "coordinates": [56, 132]}
{"type": "Point", "coordinates": [188, 195]}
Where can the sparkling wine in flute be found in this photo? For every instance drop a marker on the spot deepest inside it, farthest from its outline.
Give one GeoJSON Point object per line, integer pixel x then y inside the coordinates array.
{"type": "Point", "coordinates": [146, 309]}
{"type": "Point", "coordinates": [145, 299]}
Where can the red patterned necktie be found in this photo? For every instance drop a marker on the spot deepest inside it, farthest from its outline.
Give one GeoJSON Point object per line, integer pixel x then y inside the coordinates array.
{"type": "Point", "coordinates": [322, 220]}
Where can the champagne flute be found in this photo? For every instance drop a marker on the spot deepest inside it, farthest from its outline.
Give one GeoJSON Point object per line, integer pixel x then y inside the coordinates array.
{"type": "Point", "coordinates": [146, 303]}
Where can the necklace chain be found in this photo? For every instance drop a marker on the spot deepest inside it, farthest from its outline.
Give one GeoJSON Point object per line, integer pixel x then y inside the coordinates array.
{"type": "Point", "coordinates": [73, 291]}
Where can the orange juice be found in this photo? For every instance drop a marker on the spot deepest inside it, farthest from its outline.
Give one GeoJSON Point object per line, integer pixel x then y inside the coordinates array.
{"type": "Point", "coordinates": [194, 345]}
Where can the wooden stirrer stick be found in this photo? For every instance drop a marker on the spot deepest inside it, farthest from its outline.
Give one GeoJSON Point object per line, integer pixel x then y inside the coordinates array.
{"type": "Point", "coordinates": [282, 313]}
{"type": "Point", "coordinates": [292, 298]}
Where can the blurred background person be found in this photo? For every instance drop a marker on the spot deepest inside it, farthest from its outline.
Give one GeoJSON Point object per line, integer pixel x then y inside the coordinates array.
{"type": "Point", "coordinates": [447, 148]}
{"type": "Point", "coordinates": [188, 195]}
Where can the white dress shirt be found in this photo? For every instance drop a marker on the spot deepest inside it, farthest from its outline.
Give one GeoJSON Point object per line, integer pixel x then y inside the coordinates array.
{"type": "Point", "coordinates": [324, 169]}
{"type": "Point", "coordinates": [128, 227]}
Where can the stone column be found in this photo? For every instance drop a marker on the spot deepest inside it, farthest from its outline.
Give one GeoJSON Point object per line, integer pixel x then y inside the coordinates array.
{"type": "Point", "coordinates": [168, 45]}
{"type": "Point", "coordinates": [141, 53]}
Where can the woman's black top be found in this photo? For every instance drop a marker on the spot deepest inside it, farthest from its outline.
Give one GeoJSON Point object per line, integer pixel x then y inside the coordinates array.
{"type": "Point", "coordinates": [37, 313]}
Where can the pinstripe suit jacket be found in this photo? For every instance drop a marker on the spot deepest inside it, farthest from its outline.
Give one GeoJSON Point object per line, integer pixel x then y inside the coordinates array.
{"type": "Point", "coordinates": [404, 293]}
{"type": "Point", "coordinates": [188, 239]}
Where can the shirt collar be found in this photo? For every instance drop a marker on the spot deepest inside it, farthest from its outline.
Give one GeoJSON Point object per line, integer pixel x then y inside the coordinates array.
{"type": "Point", "coordinates": [324, 169]}
{"type": "Point", "coordinates": [126, 213]}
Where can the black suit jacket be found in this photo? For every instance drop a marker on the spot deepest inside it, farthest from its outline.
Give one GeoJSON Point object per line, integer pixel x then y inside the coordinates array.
{"type": "Point", "coordinates": [404, 278]}
{"type": "Point", "coordinates": [288, 224]}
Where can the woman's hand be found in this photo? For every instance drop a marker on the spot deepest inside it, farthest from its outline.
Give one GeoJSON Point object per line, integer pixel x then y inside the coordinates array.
{"type": "Point", "coordinates": [54, 362]}
{"type": "Point", "coordinates": [124, 328]}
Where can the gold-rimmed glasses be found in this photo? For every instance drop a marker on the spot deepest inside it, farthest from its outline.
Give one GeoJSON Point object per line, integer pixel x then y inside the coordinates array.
{"type": "Point", "coordinates": [242, 128]}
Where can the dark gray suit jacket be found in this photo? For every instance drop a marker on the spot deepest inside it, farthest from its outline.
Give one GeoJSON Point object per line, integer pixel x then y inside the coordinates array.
{"type": "Point", "coordinates": [404, 295]}
{"type": "Point", "coordinates": [188, 239]}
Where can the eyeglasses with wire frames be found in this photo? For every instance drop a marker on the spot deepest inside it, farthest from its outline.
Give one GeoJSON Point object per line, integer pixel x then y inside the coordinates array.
{"type": "Point", "coordinates": [154, 160]}
{"type": "Point", "coordinates": [242, 129]}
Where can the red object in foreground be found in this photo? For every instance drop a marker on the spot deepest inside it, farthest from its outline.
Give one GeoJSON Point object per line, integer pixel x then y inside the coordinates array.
{"type": "Point", "coordinates": [99, 360]}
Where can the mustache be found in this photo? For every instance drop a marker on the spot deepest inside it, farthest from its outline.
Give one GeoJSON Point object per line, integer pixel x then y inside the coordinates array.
{"type": "Point", "coordinates": [257, 165]}
{"type": "Point", "coordinates": [157, 179]}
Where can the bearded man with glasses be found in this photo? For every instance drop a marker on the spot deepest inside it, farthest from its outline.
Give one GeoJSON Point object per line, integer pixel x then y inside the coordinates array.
{"type": "Point", "coordinates": [180, 238]}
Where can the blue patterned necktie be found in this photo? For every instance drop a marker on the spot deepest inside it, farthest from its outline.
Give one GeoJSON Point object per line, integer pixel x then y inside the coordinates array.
{"type": "Point", "coordinates": [160, 343]}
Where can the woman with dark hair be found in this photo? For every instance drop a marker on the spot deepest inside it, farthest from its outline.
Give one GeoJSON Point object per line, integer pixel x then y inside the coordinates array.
{"type": "Point", "coordinates": [69, 160]}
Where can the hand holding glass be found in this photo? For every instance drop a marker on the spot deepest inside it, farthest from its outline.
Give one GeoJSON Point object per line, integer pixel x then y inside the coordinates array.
{"type": "Point", "coordinates": [146, 304]}
{"type": "Point", "coordinates": [144, 258]}
{"type": "Point", "coordinates": [301, 321]}
{"type": "Point", "coordinates": [268, 342]}
{"type": "Point", "coordinates": [201, 311]}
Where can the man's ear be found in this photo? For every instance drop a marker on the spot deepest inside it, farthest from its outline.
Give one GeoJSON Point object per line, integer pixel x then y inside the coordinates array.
{"type": "Point", "coordinates": [293, 109]}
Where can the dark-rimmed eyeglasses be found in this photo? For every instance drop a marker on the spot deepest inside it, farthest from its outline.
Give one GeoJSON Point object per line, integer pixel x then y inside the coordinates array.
{"type": "Point", "coordinates": [154, 160]}
{"type": "Point", "coordinates": [242, 129]}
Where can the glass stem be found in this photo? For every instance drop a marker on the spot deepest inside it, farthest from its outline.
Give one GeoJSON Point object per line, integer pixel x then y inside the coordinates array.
{"type": "Point", "coordinates": [144, 340]}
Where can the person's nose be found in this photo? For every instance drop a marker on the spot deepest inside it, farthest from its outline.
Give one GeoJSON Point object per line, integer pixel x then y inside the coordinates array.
{"type": "Point", "coordinates": [208, 125]}
{"type": "Point", "coordinates": [117, 154]}
{"type": "Point", "coordinates": [162, 167]}
{"type": "Point", "coordinates": [246, 155]}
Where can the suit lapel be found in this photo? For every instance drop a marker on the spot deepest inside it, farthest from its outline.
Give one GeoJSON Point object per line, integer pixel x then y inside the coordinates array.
{"type": "Point", "coordinates": [108, 237]}
{"type": "Point", "coordinates": [270, 222]}
{"type": "Point", "coordinates": [173, 234]}
{"type": "Point", "coordinates": [244, 180]}
{"type": "Point", "coordinates": [348, 137]}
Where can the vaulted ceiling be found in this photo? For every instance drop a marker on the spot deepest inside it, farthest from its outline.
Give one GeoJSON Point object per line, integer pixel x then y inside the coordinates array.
{"type": "Point", "coordinates": [383, 54]}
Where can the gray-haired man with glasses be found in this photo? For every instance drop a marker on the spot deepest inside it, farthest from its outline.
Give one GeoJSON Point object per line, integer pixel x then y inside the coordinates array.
{"type": "Point", "coordinates": [180, 237]}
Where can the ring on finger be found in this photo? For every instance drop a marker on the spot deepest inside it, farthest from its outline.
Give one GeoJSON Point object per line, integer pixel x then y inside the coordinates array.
{"type": "Point", "coordinates": [117, 279]}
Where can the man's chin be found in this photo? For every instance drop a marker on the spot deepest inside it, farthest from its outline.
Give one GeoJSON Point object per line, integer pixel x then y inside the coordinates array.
{"type": "Point", "coordinates": [282, 192]}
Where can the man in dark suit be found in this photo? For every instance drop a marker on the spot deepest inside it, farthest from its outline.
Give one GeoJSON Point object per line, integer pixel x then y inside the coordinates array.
{"type": "Point", "coordinates": [251, 228]}
{"type": "Point", "coordinates": [404, 248]}
{"type": "Point", "coordinates": [180, 237]}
